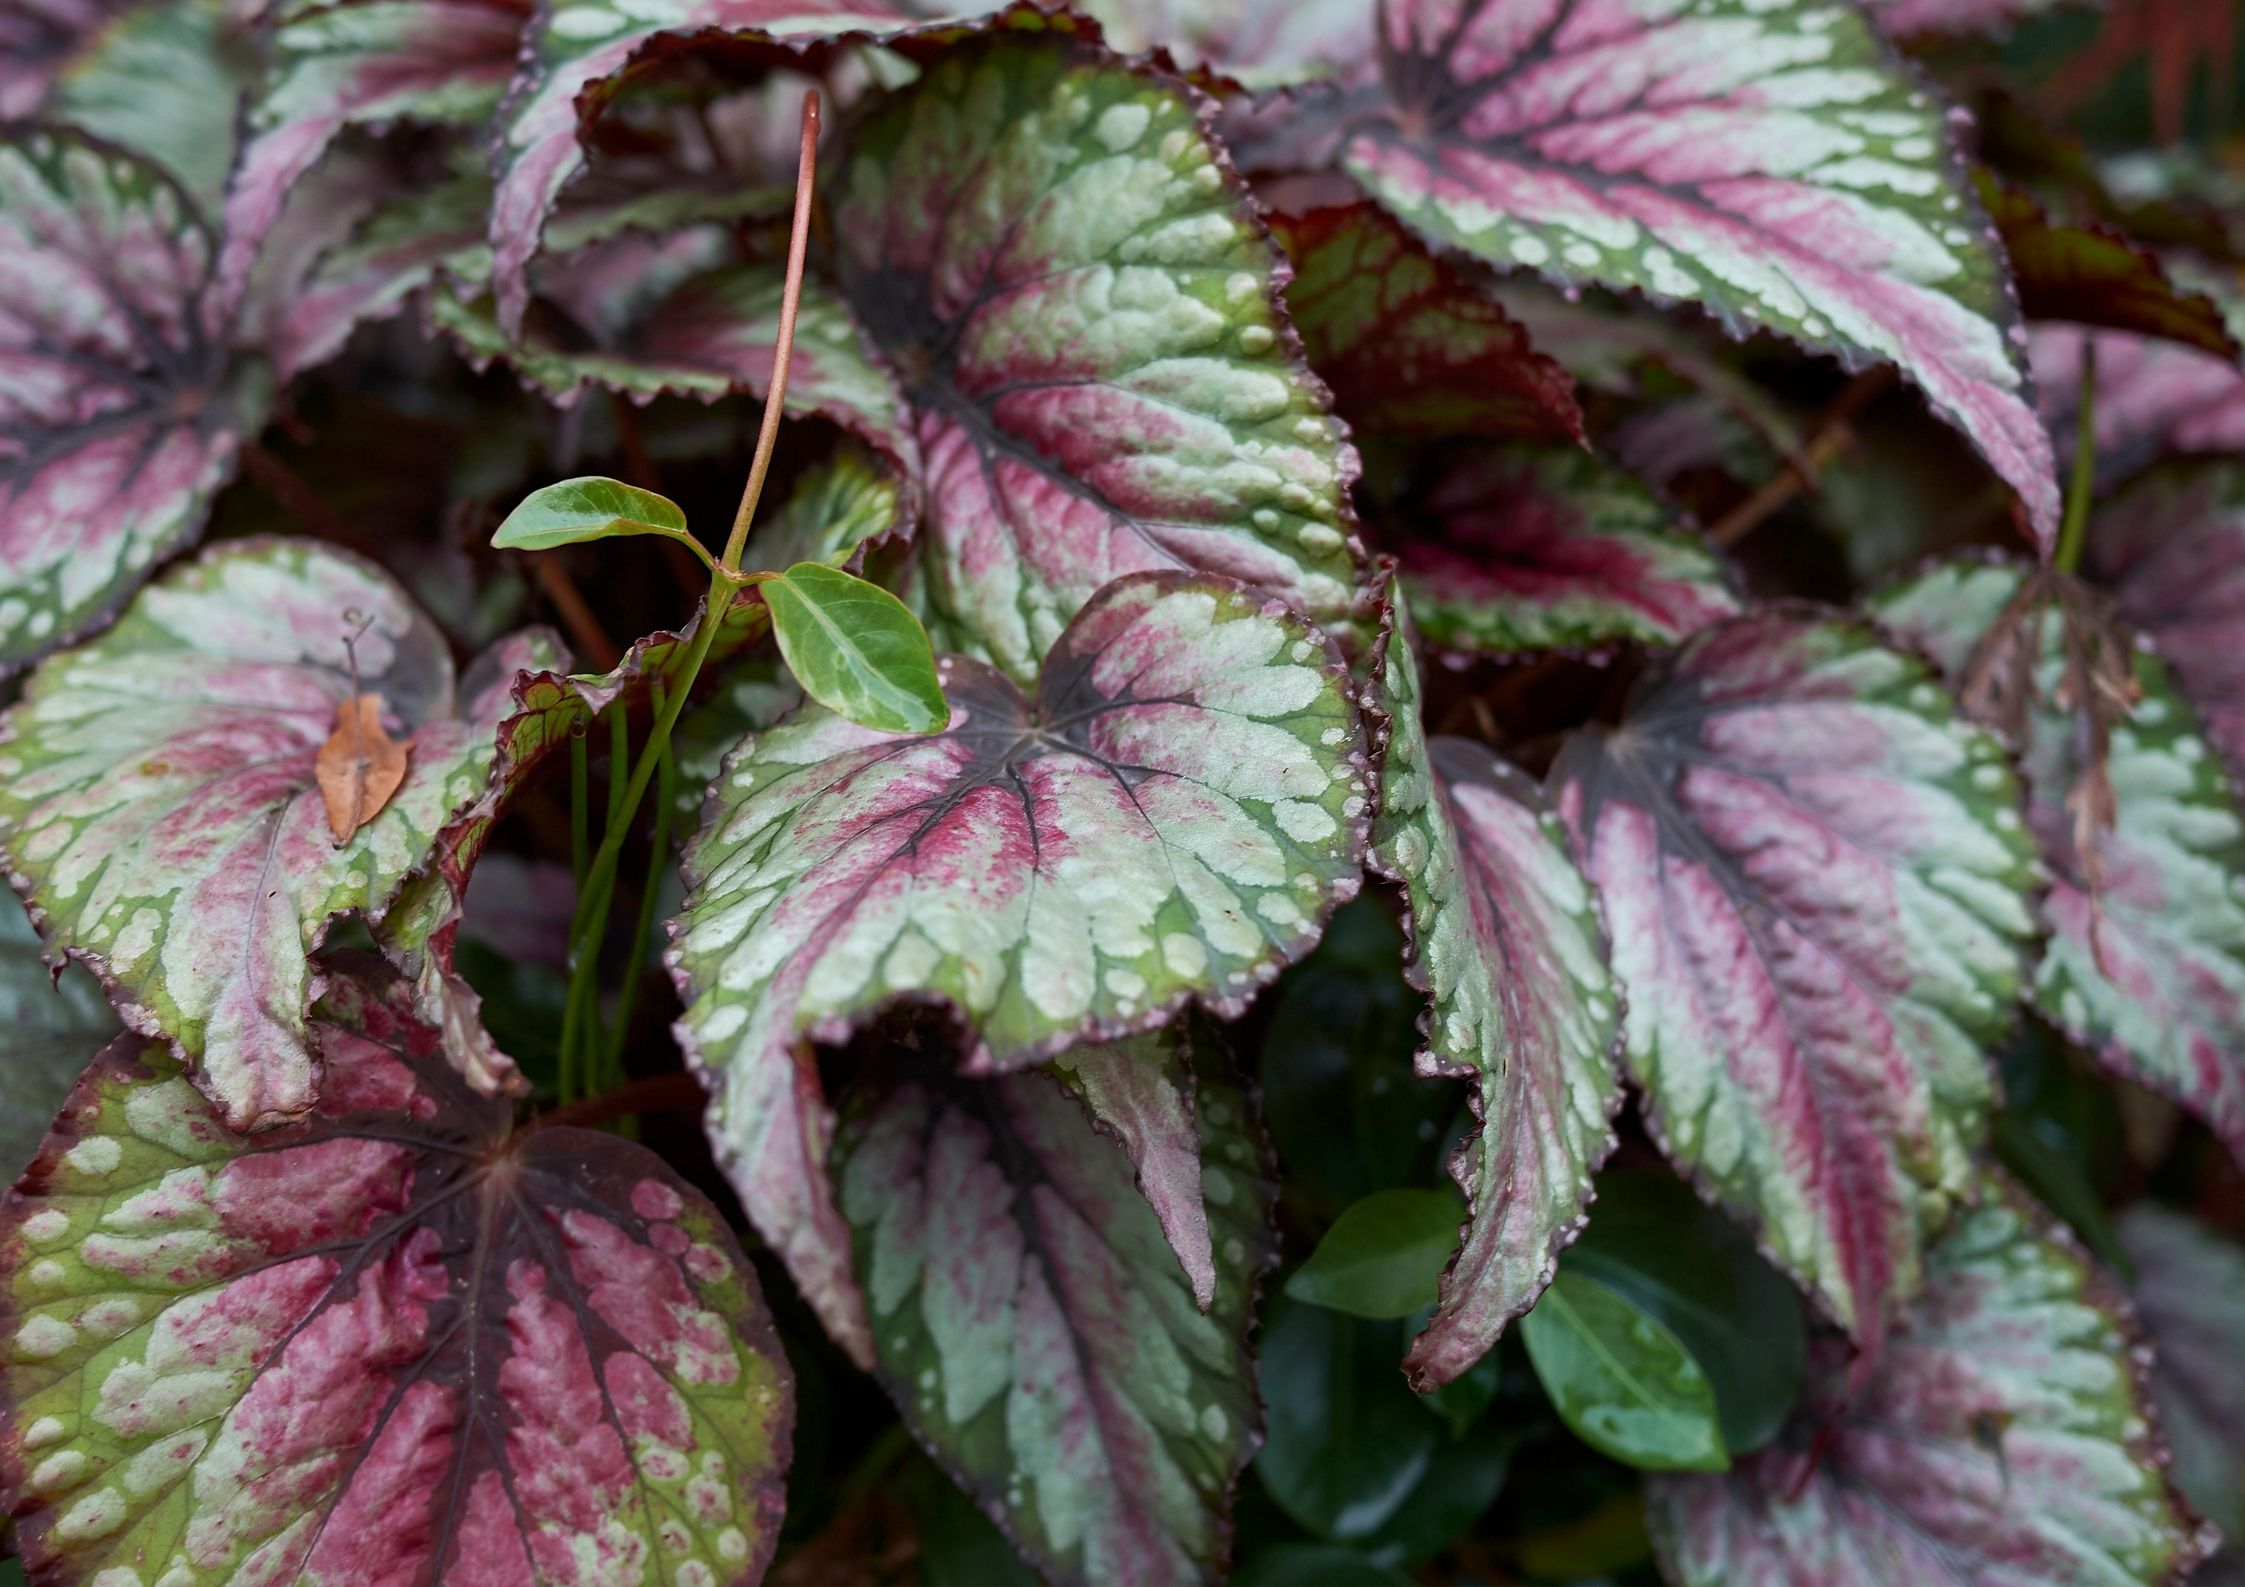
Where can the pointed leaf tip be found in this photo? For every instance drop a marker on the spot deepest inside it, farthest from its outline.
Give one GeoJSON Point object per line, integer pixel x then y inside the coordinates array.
{"type": "Point", "coordinates": [591, 508]}
{"type": "Point", "coordinates": [856, 649]}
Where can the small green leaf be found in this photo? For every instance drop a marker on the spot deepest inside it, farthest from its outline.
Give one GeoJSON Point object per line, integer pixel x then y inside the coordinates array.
{"type": "Point", "coordinates": [856, 649]}
{"type": "Point", "coordinates": [1384, 1256]}
{"type": "Point", "coordinates": [1621, 1381]}
{"type": "Point", "coordinates": [592, 508]}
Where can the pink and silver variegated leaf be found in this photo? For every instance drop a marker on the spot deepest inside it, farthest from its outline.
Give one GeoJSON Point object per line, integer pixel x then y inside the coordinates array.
{"type": "Point", "coordinates": [167, 82]}
{"type": "Point", "coordinates": [160, 812]}
{"type": "Point", "coordinates": [1819, 888]}
{"type": "Point", "coordinates": [49, 1029]}
{"type": "Point", "coordinates": [1058, 257]}
{"type": "Point", "coordinates": [394, 1341]}
{"type": "Point", "coordinates": [1507, 943]}
{"type": "Point", "coordinates": [574, 60]}
{"type": "Point", "coordinates": [372, 63]}
{"type": "Point", "coordinates": [2154, 397]}
{"type": "Point", "coordinates": [2171, 548]}
{"type": "Point", "coordinates": [1910, 19]}
{"type": "Point", "coordinates": [1036, 1330]}
{"type": "Point", "coordinates": [120, 410]}
{"type": "Point", "coordinates": [1170, 819]}
{"type": "Point", "coordinates": [839, 511]}
{"type": "Point", "coordinates": [1411, 344]}
{"type": "Point", "coordinates": [1513, 548]}
{"type": "Point", "coordinates": [1140, 1091]}
{"type": "Point", "coordinates": [2190, 1292]}
{"type": "Point", "coordinates": [2146, 958]}
{"type": "Point", "coordinates": [2003, 1439]}
{"type": "Point", "coordinates": [38, 40]}
{"type": "Point", "coordinates": [1259, 43]}
{"type": "Point", "coordinates": [1769, 160]}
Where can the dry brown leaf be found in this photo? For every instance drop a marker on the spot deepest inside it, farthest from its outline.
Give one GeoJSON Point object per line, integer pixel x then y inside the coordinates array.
{"type": "Point", "coordinates": [359, 767]}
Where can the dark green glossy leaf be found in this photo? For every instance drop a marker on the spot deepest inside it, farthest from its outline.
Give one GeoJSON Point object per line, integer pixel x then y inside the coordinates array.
{"type": "Point", "coordinates": [1384, 1256]}
{"type": "Point", "coordinates": [2039, 1159]}
{"type": "Point", "coordinates": [1346, 1444]}
{"type": "Point", "coordinates": [1461, 1401]}
{"type": "Point", "coordinates": [1462, 1481]}
{"type": "Point", "coordinates": [591, 508]}
{"type": "Point", "coordinates": [1315, 1565]}
{"type": "Point", "coordinates": [856, 649]}
{"type": "Point", "coordinates": [1621, 1380]}
{"type": "Point", "coordinates": [1653, 1241]}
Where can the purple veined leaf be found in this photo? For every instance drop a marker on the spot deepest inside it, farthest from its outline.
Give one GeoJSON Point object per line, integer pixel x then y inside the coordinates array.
{"type": "Point", "coordinates": [2171, 548]}
{"type": "Point", "coordinates": [1259, 43]}
{"type": "Point", "coordinates": [166, 81]}
{"type": "Point", "coordinates": [574, 60]}
{"type": "Point", "coordinates": [38, 41]}
{"type": "Point", "coordinates": [756, 693]}
{"type": "Point", "coordinates": [1768, 160]}
{"type": "Point", "coordinates": [2153, 396]}
{"type": "Point", "coordinates": [393, 1341]}
{"type": "Point", "coordinates": [2093, 274]}
{"type": "Point", "coordinates": [1910, 19]}
{"type": "Point", "coordinates": [160, 813]}
{"type": "Point", "coordinates": [2190, 1292]}
{"type": "Point", "coordinates": [1140, 1091]}
{"type": "Point", "coordinates": [1169, 820]}
{"type": "Point", "coordinates": [2003, 1439]}
{"type": "Point", "coordinates": [2146, 959]}
{"type": "Point", "coordinates": [1410, 343]}
{"type": "Point", "coordinates": [1819, 889]}
{"type": "Point", "coordinates": [544, 708]}
{"type": "Point", "coordinates": [373, 63]}
{"type": "Point", "coordinates": [1507, 943]}
{"type": "Point", "coordinates": [1514, 548]}
{"type": "Point", "coordinates": [659, 316]}
{"type": "Point", "coordinates": [47, 1027]}
{"type": "Point", "coordinates": [1036, 1330]}
{"type": "Point", "coordinates": [1075, 287]}
{"type": "Point", "coordinates": [120, 409]}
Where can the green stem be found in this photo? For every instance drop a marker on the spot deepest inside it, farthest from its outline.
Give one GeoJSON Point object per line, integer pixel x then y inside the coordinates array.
{"type": "Point", "coordinates": [619, 756]}
{"type": "Point", "coordinates": [2075, 531]}
{"type": "Point", "coordinates": [580, 801]}
{"type": "Point", "coordinates": [643, 929]}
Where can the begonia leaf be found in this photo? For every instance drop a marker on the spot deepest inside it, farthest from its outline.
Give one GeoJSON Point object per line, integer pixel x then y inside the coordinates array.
{"type": "Point", "coordinates": [1140, 1090]}
{"type": "Point", "coordinates": [1508, 945]}
{"type": "Point", "coordinates": [2146, 914]}
{"type": "Point", "coordinates": [1818, 885]}
{"type": "Point", "coordinates": [2154, 396]}
{"type": "Point", "coordinates": [392, 1341]}
{"type": "Point", "coordinates": [2190, 1292]}
{"type": "Point", "coordinates": [1260, 43]}
{"type": "Point", "coordinates": [2092, 274]}
{"type": "Point", "coordinates": [1169, 819]}
{"type": "Point", "coordinates": [1768, 160]}
{"type": "Point", "coordinates": [1514, 548]}
{"type": "Point", "coordinates": [48, 1028]}
{"type": "Point", "coordinates": [38, 42]}
{"type": "Point", "coordinates": [160, 807]}
{"type": "Point", "coordinates": [2001, 1439]}
{"type": "Point", "coordinates": [836, 513]}
{"type": "Point", "coordinates": [1082, 305]}
{"type": "Point", "coordinates": [166, 82]}
{"type": "Point", "coordinates": [120, 408]}
{"type": "Point", "coordinates": [2171, 548]}
{"type": "Point", "coordinates": [1036, 1330]}
{"type": "Point", "coordinates": [1411, 344]}
{"type": "Point", "coordinates": [1911, 19]}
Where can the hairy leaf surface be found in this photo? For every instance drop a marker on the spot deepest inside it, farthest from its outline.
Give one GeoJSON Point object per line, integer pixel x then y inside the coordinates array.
{"type": "Point", "coordinates": [1508, 945]}
{"type": "Point", "coordinates": [2147, 968]}
{"type": "Point", "coordinates": [1513, 548]}
{"type": "Point", "coordinates": [1409, 341]}
{"type": "Point", "coordinates": [1038, 1333]}
{"type": "Point", "coordinates": [2002, 1440]}
{"type": "Point", "coordinates": [160, 808]}
{"type": "Point", "coordinates": [1171, 818]}
{"type": "Point", "coordinates": [1766, 159]}
{"type": "Point", "coordinates": [393, 1341]}
{"type": "Point", "coordinates": [120, 411]}
{"type": "Point", "coordinates": [2190, 1291]}
{"type": "Point", "coordinates": [1081, 303]}
{"type": "Point", "coordinates": [48, 1031]}
{"type": "Point", "coordinates": [1818, 886]}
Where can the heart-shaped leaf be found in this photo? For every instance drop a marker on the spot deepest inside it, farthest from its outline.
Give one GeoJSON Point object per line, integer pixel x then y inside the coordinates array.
{"type": "Point", "coordinates": [1410, 343]}
{"type": "Point", "coordinates": [1508, 945]}
{"type": "Point", "coordinates": [392, 1341]}
{"type": "Point", "coordinates": [362, 63]}
{"type": "Point", "coordinates": [2171, 547]}
{"type": "Point", "coordinates": [120, 410]}
{"type": "Point", "coordinates": [1081, 302]}
{"type": "Point", "coordinates": [856, 649]}
{"type": "Point", "coordinates": [1620, 1380]}
{"type": "Point", "coordinates": [1766, 159]}
{"type": "Point", "coordinates": [1038, 1334]}
{"type": "Point", "coordinates": [1514, 548]}
{"type": "Point", "coordinates": [1818, 886]}
{"type": "Point", "coordinates": [1170, 819]}
{"type": "Point", "coordinates": [47, 1027]}
{"type": "Point", "coordinates": [2001, 1438]}
{"type": "Point", "coordinates": [2190, 1291]}
{"type": "Point", "coordinates": [160, 805]}
{"type": "Point", "coordinates": [2092, 274]}
{"type": "Point", "coordinates": [2146, 913]}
